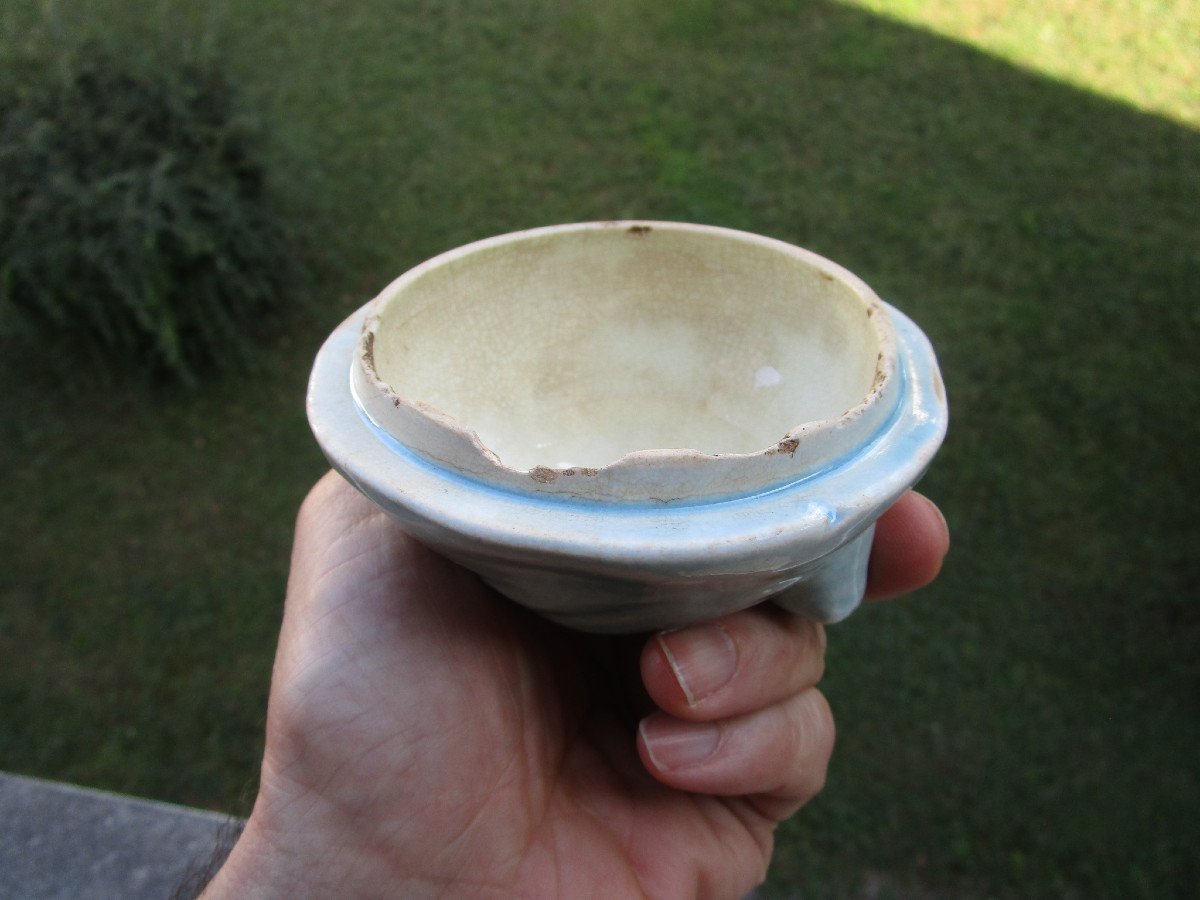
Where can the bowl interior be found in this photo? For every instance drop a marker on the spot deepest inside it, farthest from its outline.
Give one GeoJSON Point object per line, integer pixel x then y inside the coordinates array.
{"type": "Point", "coordinates": [576, 346]}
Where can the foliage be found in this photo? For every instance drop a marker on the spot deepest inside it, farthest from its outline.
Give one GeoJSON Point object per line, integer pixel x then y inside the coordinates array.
{"type": "Point", "coordinates": [134, 225]}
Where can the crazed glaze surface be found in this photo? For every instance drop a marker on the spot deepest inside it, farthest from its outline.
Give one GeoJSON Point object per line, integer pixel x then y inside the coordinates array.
{"type": "Point", "coordinates": [635, 425]}
{"type": "Point", "coordinates": [627, 361]}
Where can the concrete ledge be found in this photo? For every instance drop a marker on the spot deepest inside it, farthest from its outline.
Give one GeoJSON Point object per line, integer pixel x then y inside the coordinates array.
{"type": "Point", "coordinates": [62, 841]}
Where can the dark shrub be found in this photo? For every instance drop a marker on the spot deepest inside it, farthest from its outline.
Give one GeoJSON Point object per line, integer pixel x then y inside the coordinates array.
{"type": "Point", "coordinates": [134, 230]}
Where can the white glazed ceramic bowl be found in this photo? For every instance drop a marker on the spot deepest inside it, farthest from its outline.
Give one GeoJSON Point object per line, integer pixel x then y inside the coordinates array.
{"type": "Point", "coordinates": [635, 425]}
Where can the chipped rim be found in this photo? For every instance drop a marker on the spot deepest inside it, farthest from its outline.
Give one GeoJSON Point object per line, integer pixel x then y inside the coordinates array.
{"type": "Point", "coordinates": [797, 522]}
{"type": "Point", "coordinates": [649, 475]}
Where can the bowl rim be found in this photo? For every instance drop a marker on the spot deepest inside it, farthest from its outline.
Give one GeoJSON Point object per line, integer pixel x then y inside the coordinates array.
{"type": "Point", "coordinates": [639, 475]}
{"type": "Point", "coordinates": [798, 521]}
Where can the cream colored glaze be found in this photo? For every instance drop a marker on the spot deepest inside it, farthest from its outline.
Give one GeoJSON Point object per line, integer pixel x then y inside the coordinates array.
{"type": "Point", "coordinates": [575, 347]}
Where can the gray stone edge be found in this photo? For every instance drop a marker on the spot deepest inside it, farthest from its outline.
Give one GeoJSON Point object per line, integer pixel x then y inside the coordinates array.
{"type": "Point", "coordinates": [61, 840]}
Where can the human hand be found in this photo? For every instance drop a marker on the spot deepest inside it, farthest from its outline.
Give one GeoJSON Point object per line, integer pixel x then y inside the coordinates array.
{"type": "Point", "coordinates": [427, 737]}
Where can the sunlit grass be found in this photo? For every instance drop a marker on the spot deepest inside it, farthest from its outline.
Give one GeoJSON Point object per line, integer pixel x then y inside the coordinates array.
{"type": "Point", "coordinates": [1145, 52]}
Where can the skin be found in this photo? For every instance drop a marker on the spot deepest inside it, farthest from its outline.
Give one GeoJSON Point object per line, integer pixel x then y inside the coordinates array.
{"type": "Point", "coordinates": [426, 737]}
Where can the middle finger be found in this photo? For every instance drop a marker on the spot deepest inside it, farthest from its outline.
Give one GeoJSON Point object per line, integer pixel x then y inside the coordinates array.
{"type": "Point", "coordinates": [734, 665]}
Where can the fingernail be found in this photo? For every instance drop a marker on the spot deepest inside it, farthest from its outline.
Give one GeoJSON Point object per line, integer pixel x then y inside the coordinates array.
{"type": "Point", "coordinates": [673, 744]}
{"type": "Point", "coordinates": [703, 659]}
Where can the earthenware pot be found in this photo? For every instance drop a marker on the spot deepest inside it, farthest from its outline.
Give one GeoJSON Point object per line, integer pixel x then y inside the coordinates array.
{"type": "Point", "coordinates": [635, 425]}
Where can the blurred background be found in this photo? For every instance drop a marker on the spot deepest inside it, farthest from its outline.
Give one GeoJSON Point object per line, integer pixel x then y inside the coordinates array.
{"type": "Point", "coordinates": [1021, 178]}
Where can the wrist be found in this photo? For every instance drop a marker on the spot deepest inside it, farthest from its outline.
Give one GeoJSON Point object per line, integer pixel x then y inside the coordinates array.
{"type": "Point", "coordinates": [303, 860]}
{"type": "Point", "coordinates": [255, 869]}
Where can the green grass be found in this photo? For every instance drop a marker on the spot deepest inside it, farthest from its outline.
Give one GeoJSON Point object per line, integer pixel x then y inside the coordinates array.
{"type": "Point", "coordinates": [1145, 52]}
{"type": "Point", "coordinates": [1027, 727]}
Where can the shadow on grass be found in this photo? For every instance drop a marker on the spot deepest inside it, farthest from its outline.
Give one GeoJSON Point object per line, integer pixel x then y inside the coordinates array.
{"type": "Point", "coordinates": [1028, 726]}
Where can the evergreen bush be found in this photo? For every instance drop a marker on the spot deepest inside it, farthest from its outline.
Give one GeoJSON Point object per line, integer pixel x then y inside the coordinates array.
{"type": "Point", "coordinates": [135, 231]}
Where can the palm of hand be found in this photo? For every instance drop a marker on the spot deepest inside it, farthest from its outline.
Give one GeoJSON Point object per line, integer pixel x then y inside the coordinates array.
{"type": "Point", "coordinates": [469, 746]}
{"type": "Point", "coordinates": [425, 737]}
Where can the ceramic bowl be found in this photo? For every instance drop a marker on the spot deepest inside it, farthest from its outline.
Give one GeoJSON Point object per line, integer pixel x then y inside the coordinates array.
{"type": "Point", "coordinates": [627, 426]}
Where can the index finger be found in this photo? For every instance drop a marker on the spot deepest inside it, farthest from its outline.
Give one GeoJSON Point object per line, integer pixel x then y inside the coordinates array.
{"type": "Point", "coordinates": [911, 540]}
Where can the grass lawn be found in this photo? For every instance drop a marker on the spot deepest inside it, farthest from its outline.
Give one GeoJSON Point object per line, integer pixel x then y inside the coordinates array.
{"type": "Point", "coordinates": [1145, 53]}
{"type": "Point", "coordinates": [1026, 727]}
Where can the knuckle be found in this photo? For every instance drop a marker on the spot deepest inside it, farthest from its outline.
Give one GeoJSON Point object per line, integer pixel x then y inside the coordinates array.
{"type": "Point", "coordinates": [822, 728]}
{"type": "Point", "coordinates": [822, 640]}
{"type": "Point", "coordinates": [815, 646]}
{"type": "Point", "coordinates": [816, 735]}
{"type": "Point", "coordinates": [315, 500]}
{"type": "Point", "coordinates": [807, 649]}
{"type": "Point", "coordinates": [321, 501]}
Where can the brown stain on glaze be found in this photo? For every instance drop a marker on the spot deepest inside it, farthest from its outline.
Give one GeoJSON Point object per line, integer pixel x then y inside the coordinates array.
{"type": "Point", "coordinates": [369, 350]}
{"type": "Point", "coordinates": [546, 475]}
{"type": "Point", "coordinates": [880, 375]}
{"type": "Point", "coordinates": [639, 229]}
{"type": "Point", "coordinates": [788, 445]}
